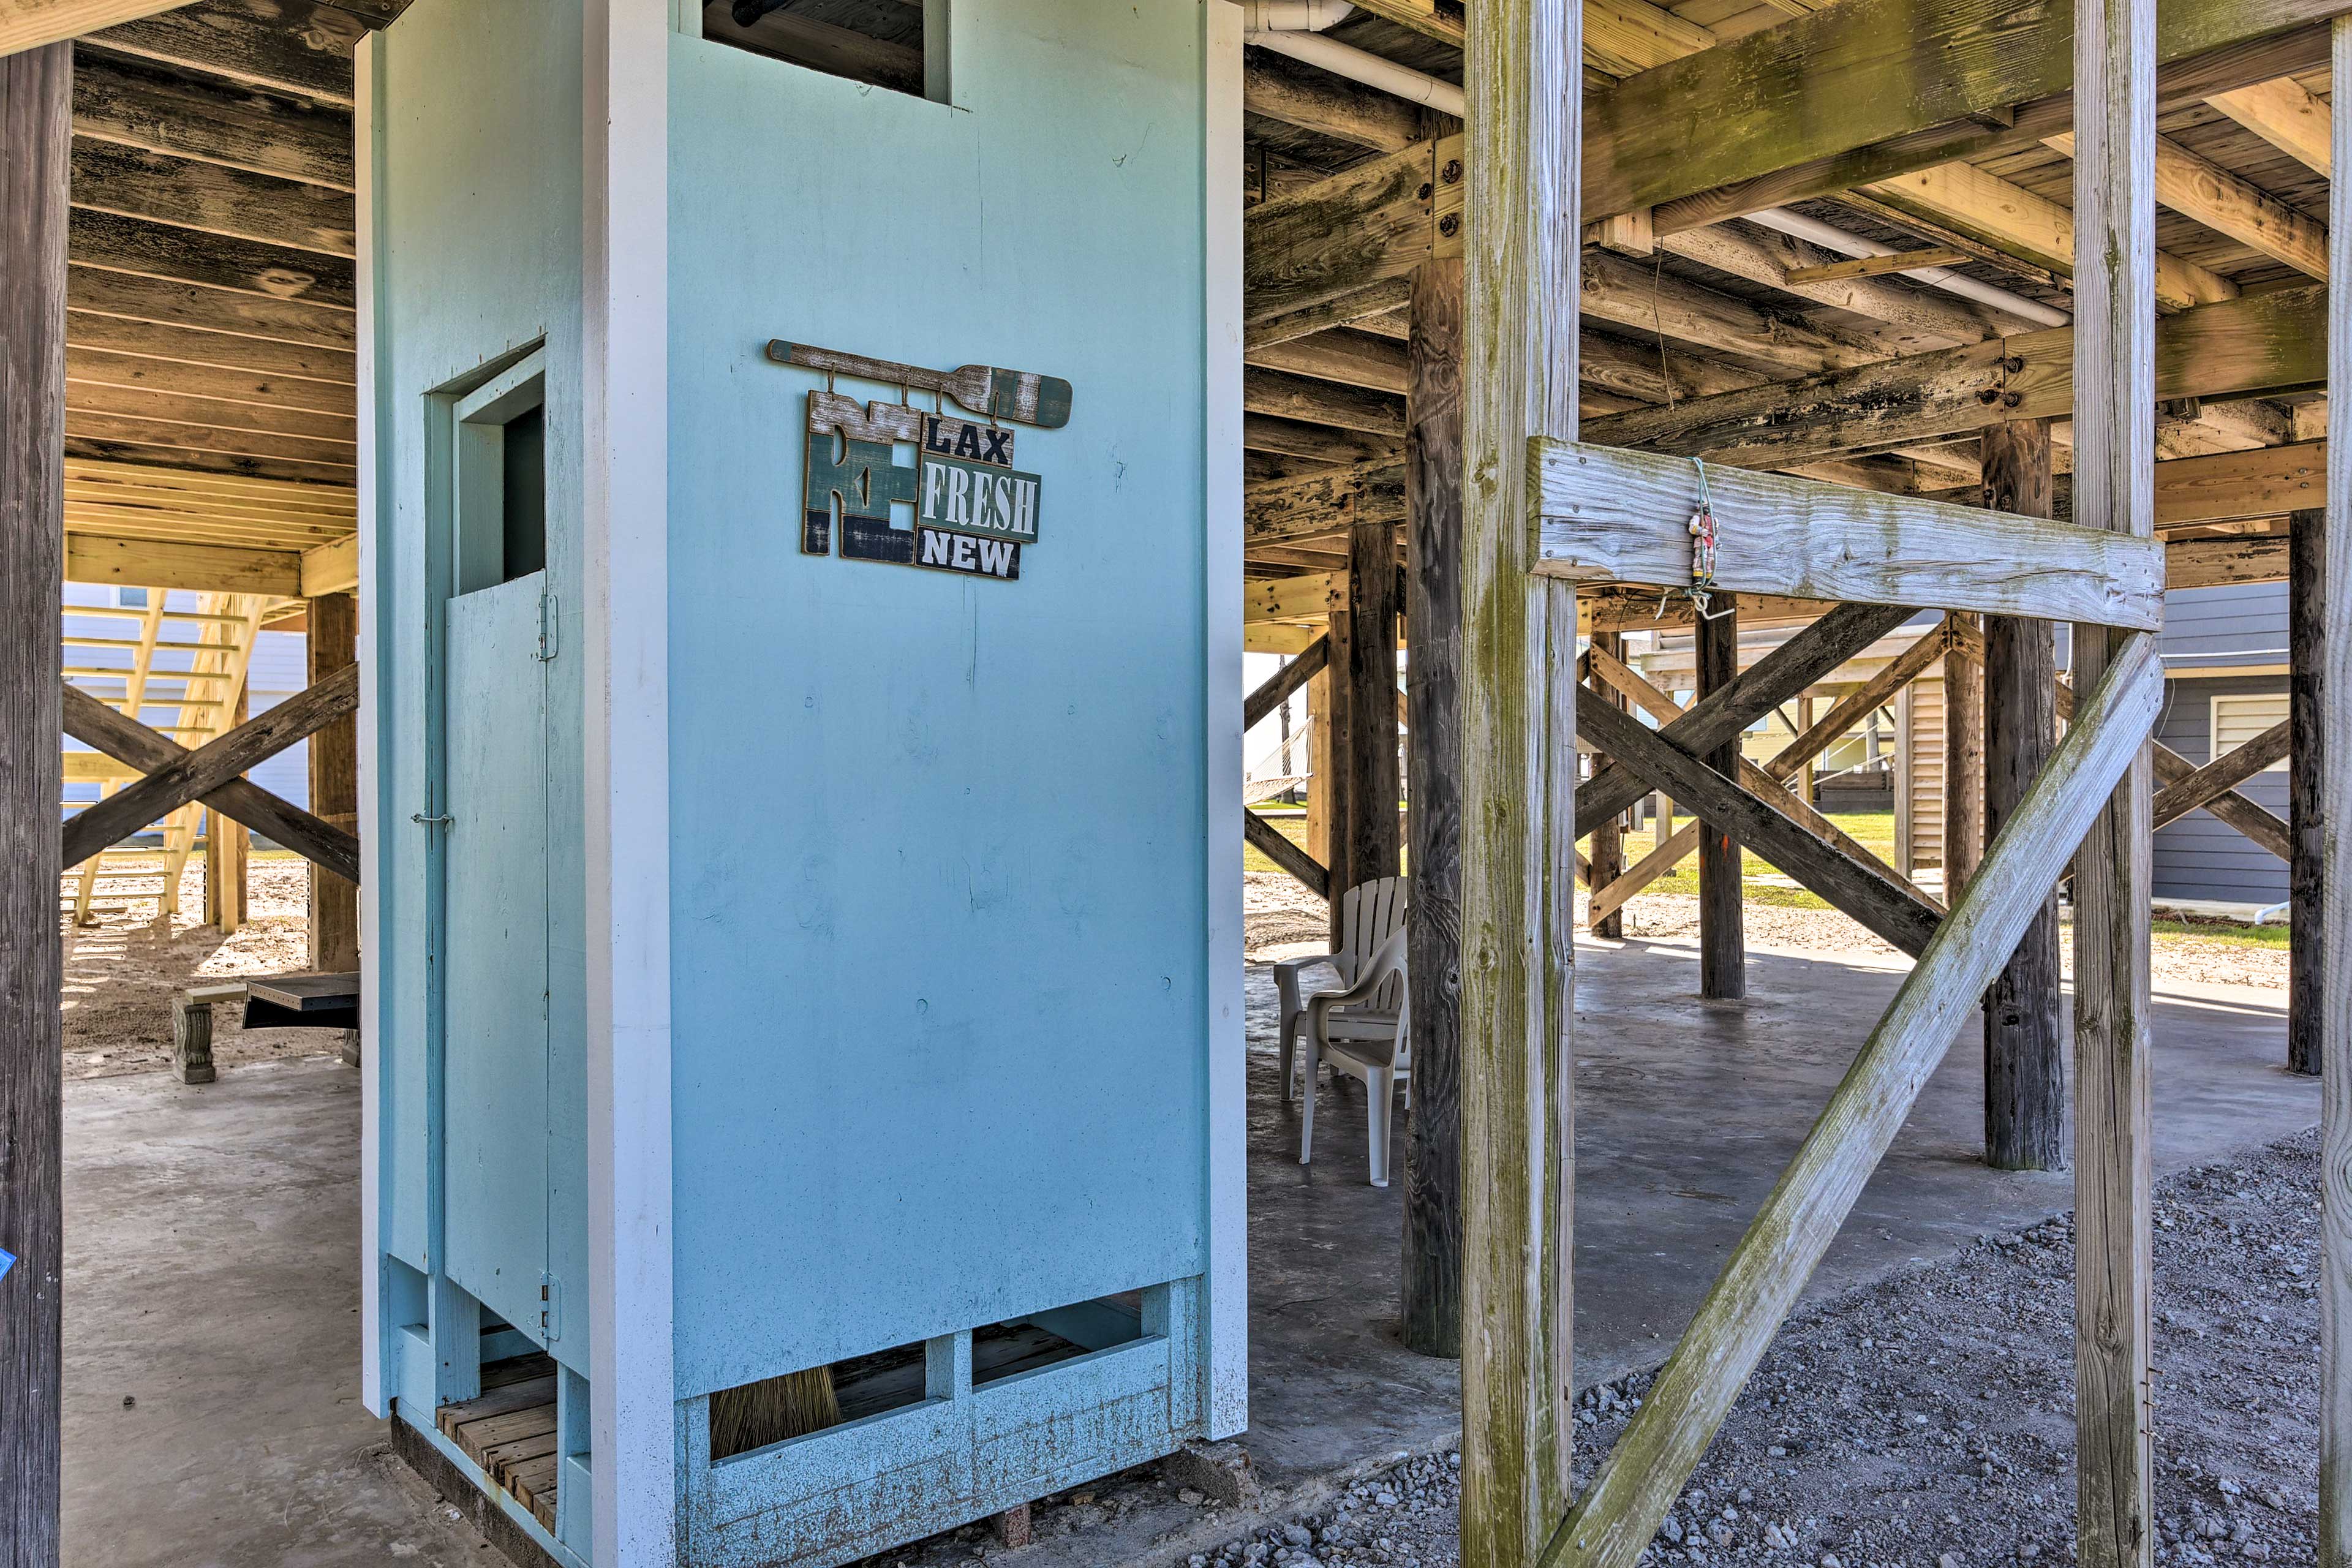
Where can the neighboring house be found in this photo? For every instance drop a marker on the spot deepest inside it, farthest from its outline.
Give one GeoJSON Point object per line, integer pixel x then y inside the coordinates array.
{"type": "Point", "coordinates": [2225, 665]}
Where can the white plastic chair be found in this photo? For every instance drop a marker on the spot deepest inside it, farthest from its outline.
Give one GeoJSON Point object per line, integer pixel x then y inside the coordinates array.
{"type": "Point", "coordinates": [1369, 913]}
{"type": "Point", "coordinates": [1366, 1031]}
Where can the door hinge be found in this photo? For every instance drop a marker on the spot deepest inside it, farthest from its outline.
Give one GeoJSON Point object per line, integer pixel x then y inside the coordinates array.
{"type": "Point", "coordinates": [547, 625]}
{"type": "Point", "coordinates": [550, 1307]}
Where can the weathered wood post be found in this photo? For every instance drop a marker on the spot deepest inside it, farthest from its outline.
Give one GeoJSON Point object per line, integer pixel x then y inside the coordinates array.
{"type": "Point", "coordinates": [2114, 488]}
{"type": "Point", "coordinates": [1337, 787]}
{"type": "Point", "coordinates": [1525, 128]}
{"type": "Point", "coordinates": [2024, 1040]}
{"type": "Point", "coordinates": [2308, 695]}
{"type": "Point", "coordinates": [1722, 928]}
{"type": "Point", "coordinates": [2333, 1000]}
{"type": "Point", "coordinates": [1368, 665]}
{"type": "Point", "coordinates": [229, 845]}
{"type": "Point", "coordinates": [1964, 764]}
{"type": "Point", "coordinates": [36, 134]}
{"type": "Point", "coordinates": [1432, 1149]}
{"type": "Point", "coordinates": [334, 786]}
{"type": "Point", "coordinates": [1608, 856]}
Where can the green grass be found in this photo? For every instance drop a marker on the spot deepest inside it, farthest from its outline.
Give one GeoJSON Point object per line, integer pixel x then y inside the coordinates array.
{"type": "Point", "coordinates": [2232, 932]}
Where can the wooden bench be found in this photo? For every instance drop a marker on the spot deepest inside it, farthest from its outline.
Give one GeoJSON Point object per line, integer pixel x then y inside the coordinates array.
{"type": "Point", "coordinates": [308, 1002]}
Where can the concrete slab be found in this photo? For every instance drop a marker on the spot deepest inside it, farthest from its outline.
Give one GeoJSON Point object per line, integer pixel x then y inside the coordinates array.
{"type": "Point", "coordinates": [212, 1235]}
{"type": "Point", "coordinates": [211, 1277]}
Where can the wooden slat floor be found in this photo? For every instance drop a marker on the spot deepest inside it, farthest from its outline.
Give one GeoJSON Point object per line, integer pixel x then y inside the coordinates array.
{"type": "Point", "coordinates": [509, 1430]}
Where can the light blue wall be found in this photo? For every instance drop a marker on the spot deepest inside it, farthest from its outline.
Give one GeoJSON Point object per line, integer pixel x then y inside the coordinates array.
{"type": "Point", "coordinates": [940, 997]}
{"type": "Point", "coordinates": [478, 159]}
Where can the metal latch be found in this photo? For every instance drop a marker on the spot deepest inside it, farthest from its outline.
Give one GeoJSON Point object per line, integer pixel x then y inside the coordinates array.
{"type": "Point", "coordinates": [547, 623]}
{"type": "Point", "coordinates": [551, 1311]}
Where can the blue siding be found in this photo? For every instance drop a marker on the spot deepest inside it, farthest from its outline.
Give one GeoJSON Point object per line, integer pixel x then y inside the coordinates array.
{"type": "Point", "coordinates": [2240, 622]}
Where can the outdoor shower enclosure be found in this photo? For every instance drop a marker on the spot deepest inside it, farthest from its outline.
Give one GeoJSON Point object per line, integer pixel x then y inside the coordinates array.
{"type": "Point", "coordinates": [802, 923]}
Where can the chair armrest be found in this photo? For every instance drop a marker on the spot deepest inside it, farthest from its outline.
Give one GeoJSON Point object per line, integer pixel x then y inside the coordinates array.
{"type": "Point", "coordinates": [1287, 971]}
{"type": "Point", "coordinates": [1386, 962]}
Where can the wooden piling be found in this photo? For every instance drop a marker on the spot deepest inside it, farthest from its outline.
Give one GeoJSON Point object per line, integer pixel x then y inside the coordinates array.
{"type": "Point", "coordinates": [35, 136]}
{"type": "Point", "coordinates": [2024, 1038]}
{"type": "Point", "coordinates": [1722, 928]}
{"type": "Point", "coordinates": [1525, 140]}
{"type": "Point", "coordinates": [1367, 662]}
{"type": "Point", "coordinates": [1433, 1149]}
{"type": "Point", "coordinates": [1335, 759]}
{"type": "Point", "coordinates": [1607, 842]}
{"type": "Point", "coordinates": [2114, 488]}
{"type": "Point", "coordinates": [334, 786]}
{"type": "Point", "coordinates": [2308, 637]}
{"type": "Point", "coordinates": [1964, 764]}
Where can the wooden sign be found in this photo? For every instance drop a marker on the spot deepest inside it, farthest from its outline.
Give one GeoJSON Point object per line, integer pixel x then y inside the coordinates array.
{"type": "Point", "coordinates": [967, 509]}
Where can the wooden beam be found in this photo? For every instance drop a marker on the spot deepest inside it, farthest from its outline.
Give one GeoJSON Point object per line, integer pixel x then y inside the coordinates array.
{"type": "Point", "coordinates": [93, 723]}
{"type": "Point", "coordinates": [1431, 1286]}
{"type": "Point", "coordinates": [2025, 1044]}
{"type": "Point", "coordinates": [30, 23]}
{"type": "Point", "coordinates": [201, 568]}
{"type": "Point", "coordinates": [212, 198]}
{"type": "Point", "coordinates": [1883, 904]}
{"type": "Point", "coordinates": [1372, 224]}
{"type": "Point", "coordinates": [1526, 107]}
{"type": "Point", "coordinates": [1351, 359]}
{"type": "Point", "coordinates": [1317, 402]}
{"type": "Point", "coordinates": [1964, 764]}
{"type": "Point", "coordinates": [1783, 262]}
{"type": "Point", "coordinates": [1608, 841]}
{"type": "Point", "coordinates": [2199, 188]}
{"type": "Point", "coordinates": [196, 774]}
{"type": "Point", "coordinates": [137, 245]}
{"type": "Point", "coordinates": [34, 138]}
{"type": "Point", "coordinates": [1270, 843]}
{"type": "Point", "coordinates": [2211, 563]}
{"type": "Point", "coordinates": [2231, 487]}
{"type": "Point", "coordinates": [92, 289]}
{"type": "Point", "coordinates": [333, 648]}
{"type": "Point", "coordinates": [1361, 304]}
{"type": "Point", "coordinates": [2117, 384]}
{"type": "Point", "coordinates": [1317, 443]}
{"type": "Point", "coordinates": [1620, 1513]}
{"type": "Point", "coordinates": [2284, 113]}
{"type": "Point", "coordinates": [1722, 891]}
{"type": "Point", "coordinates": [2308, 938]}
{"type": "Point", "coordinates": [161, 110]}
{"type": "Point", "coordinates": [332, 568]}
{"type": "Point", "coordinates": [2222, 774]}
{"type": "Point", "coordinates": [290, 46]}
{"type": "Point", "coordinates": [1277, 688]}
{"type": "Point", "coordinates": [1891, 67]}
{"type": "Point", "coordinates": [2256, 344]}
{"type": "Point", "coordinates": [2255, 55]}
{"type": "Point", "coordinates": [1307, 597]}
{"type": "Point", "coordinates": [2333, 999]}
{"type": "Point", "coordinates": [1714, 719]}
{"type": "Point", "coordinates": [2017, 221]}
{"type": "Point", "coordinates": [1617, 516]}
{"type": "Point", "coordinates": [1281, 88]}
{"type": "Point", "coordinates": [1874, 266]}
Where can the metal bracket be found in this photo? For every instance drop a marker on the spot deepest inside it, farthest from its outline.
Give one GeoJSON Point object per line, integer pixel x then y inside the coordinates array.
{"type": "Point", "coordinates": [547, 625]}
{"type": "Point", "coordinates": [550, 1307]}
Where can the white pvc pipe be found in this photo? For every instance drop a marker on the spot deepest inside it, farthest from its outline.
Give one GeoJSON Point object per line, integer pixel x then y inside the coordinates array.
{"type": "Point", "coordinates": [1294, 15]}
{"type": "Point", "coordinates": [1800, 227]}
{"type": "Point", "coordinates": [1362, 66]}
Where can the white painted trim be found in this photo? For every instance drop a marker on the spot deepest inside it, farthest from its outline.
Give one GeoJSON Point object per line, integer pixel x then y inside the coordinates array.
{"type": "Point", "coordinates": [625, 640]}
{"type": "Point", "coordinates": [375, 1352]}
{"type": "Point", "coordinates": [1228, 1282]}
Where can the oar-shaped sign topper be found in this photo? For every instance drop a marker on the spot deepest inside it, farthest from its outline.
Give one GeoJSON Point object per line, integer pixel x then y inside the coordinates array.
{"type": "Point", "coordinates": [1040, 400]}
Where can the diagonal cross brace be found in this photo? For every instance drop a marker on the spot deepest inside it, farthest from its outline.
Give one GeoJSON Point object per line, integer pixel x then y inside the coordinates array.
{"type": "Point", "coordinates": [126, 740]}
{"type": "Point", "coordinates": [2222, 775]}
{"type": "Point", "coordinates": [1716, 719]}
{"type": "Point", "coordinates": [1887, 906]}
{"type": "Point", "coordinates": [1271, 843]}
{"type": "Point", "coordinates": [1768, 1269]}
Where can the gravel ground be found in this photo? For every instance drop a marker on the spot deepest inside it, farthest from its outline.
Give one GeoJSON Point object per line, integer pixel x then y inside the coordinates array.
{"type": "Point", "coordinates": [123, 973]}
{"type": "Point", "coordinates": [1928, 1421]}
{"type": "Point", "coordinates": [1283, 918]}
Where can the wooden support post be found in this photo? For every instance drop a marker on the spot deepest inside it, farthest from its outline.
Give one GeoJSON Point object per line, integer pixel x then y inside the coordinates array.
{"type": "Point", "coordinates": [1432, 1149]}
{"type": "Point", "coordinates": [2024, 1038]}
{"type": "Point", "coordinates": [1374, 607]}
{"type": "Point", "coordinates": [334, 786]}
{"type": "Point", "coordinates": [1522, 73]}
{"type": "Point", "coordinates": [1609, 838]}
{"type": "Point", "coordinates": [1338, 786]}
{"type": "Point", "coordinates": [1808, 786]}
{"type": "Point", "coordinates": [1322, 781]}
{"type": "Point", "coordinates": [1964, 765]}
{"type": "Point", "coordinates": [229, 845]}
{"type": "Point", "coordinates": [1722, 929]}
{"type": "Point", "coordinates": [2114, 488]}
{"type": "Point", "coordinates": [36, 90]}
{"type": "Point", "coordinates": [2333, 1004]}
{"type": "Point", "coordinates": [2307, 638]}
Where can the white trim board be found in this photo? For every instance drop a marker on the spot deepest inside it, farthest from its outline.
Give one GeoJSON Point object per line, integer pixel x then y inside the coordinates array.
{"type": "Point", "coordinates": [375, 1352]}
{"type": "Point", "coordinates": [1228, 1281]}
{"type": "Point", "coordinates": [624, 367]}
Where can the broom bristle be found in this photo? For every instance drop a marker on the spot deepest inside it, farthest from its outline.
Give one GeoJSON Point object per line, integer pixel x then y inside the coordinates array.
{"type": "Point", "coordinates": [772, 1410]}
